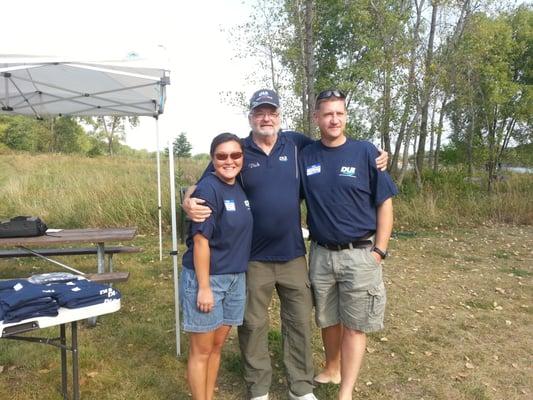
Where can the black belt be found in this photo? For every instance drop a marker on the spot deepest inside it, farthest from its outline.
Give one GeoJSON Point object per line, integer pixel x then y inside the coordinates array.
{"type": "Point", "coordinates": [356, 244]}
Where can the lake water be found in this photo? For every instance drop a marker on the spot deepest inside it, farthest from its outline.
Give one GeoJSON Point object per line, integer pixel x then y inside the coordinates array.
{"type": "Point", "coordinates": [521, 170]}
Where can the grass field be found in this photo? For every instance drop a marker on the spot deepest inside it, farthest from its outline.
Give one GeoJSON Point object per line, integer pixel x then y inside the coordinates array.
{"type": "Point", "coordinates": [459, 316]}
{"type": "Point", "coordinates": [458, 326]}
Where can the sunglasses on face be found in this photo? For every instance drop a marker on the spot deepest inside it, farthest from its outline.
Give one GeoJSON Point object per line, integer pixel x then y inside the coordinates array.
{"type": "Point", "coordinates": [224, 156]}
{"type": "Point", "coordinates": [326, 94]}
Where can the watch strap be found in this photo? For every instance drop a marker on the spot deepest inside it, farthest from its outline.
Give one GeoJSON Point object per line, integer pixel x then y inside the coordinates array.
{"type": "Point", "coordinates": [383, 254]}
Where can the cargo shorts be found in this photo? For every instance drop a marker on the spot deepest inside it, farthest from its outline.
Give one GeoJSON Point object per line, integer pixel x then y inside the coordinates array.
{"type": "Point", "coordinates": [348, 288]}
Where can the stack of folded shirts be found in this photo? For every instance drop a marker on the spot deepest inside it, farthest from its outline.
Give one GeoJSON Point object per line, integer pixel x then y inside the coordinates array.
{"type": "Point", "coordinates": [83, 293]}
{"type": "Point", "coordinates": [21, 299]}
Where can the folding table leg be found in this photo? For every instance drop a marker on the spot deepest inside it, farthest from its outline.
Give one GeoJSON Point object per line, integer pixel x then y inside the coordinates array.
{"type": "Point", "coordinates": [63, 341]}
{"type": "Point", "coordinates": [75, 377]}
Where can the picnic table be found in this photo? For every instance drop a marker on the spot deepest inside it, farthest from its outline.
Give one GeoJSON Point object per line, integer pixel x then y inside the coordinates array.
{"type": "Point", "coordinates": [26, 246]}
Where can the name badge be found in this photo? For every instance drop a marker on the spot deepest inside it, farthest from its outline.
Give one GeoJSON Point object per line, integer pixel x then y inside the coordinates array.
{"type": "Point", "coordinates": [230, 205]}
{"type": "Point", "coordinates": [313, 169]}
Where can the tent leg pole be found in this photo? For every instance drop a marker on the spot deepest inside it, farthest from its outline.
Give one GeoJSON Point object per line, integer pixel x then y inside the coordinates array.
{"type": "Point", "coordinates": [159, 191]}
{"type": "Point", "coordinates": [174, 242]}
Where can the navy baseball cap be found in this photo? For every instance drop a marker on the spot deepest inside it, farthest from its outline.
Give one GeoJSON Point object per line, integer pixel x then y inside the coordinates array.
{"type": "Point", "coordinates": [264, 96]}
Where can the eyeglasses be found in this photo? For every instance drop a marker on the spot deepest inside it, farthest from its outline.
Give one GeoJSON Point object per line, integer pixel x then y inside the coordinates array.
{"type": "Point", "coordinates": [224, 156]}
{"type": "Point", "coordinates": [326, 94]}
{"type": "Point", "coordinates": [263, 114]}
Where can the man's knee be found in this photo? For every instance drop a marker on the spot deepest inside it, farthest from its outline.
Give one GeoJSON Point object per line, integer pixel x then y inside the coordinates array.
{"type": "Point", "coordinates": [353, 333]}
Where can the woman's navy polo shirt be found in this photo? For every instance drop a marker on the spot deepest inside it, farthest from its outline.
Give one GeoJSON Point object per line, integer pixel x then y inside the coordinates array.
{"type": "Point", "coordinates": [272, 184]}
{"type": "Point", "coordinates": [343, 188]}
{"type": "Point", "coordinates": [228, 229]}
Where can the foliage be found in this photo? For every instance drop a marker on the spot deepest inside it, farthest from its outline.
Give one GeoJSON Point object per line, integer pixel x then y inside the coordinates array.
{"type": "Point", "coordinates": [111, 130]}
{"type": "Point", "coordinates": [458, 72]}
{"type": "Point", "coordinates": [182, 147]}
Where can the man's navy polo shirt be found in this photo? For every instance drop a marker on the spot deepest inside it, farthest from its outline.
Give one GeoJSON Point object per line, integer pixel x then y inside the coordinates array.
{"type": "Point", "coordinates": [272, 184]}
{"type": "Point", "coordinates": [228, 229]}
{"type": "Point", "coordinates": [343, 188]}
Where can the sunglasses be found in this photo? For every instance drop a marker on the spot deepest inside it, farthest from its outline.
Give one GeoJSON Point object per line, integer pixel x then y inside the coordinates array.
{"type": "Point", "coordinates": [224, 156]}
{"type": "Point", "coordinates": [326, 94]}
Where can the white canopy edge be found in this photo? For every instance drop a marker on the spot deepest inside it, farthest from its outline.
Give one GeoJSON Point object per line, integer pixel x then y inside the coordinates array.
{"type": "Point", "coordinates": [50, 86]}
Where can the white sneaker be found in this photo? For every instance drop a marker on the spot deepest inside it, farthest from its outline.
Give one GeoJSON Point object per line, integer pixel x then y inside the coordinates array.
{"type": "Point", "coordinates": [263, 397]}
{"type": "Point", "coordinates": [308, 396]}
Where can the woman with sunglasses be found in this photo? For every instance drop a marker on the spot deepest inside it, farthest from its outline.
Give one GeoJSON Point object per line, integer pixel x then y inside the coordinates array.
{"type": "Point", "coordinates": [213, 276]}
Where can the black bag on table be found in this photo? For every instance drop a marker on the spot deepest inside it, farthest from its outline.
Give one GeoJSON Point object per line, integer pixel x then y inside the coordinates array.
{"type": "Point", "coordinates": [22, 226]}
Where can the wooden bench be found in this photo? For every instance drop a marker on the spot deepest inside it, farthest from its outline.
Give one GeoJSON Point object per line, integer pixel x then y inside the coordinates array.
{"type": "Point", "coordinates": [74, 251]}
{"type": "Point", "coordinates": [108, 277]}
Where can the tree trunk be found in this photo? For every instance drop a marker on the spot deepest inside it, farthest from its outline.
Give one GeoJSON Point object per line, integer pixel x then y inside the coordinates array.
{"type": "Point", "coordinates": [309, 63]}
{"type": "Point", "coordinates": [493, 148]}
{"type": "Point", "coordinates": [508, 133]}
{"type": "Point", "coordinates": [385, 118]}
{"type": "Point", "coordinates": [439, 135]}
{"type": "Point", "coordinates": [428, 84]}
{"type": "Point", "coordinates": [432, 132]}
{"type": "Point", "coordinates": [469, 143]}
{"type": "Point", "coordinates": [405, 160]}
{"type": "Point", "coordinates": [410, 88]}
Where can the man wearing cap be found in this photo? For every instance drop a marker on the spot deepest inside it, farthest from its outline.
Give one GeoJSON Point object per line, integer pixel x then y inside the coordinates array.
{"type": "Point", "coordinates": [271, 180]}
{"type": "Point", "coordinates": [349, 215]}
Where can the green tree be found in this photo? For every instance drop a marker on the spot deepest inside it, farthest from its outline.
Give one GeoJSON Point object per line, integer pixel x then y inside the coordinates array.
{"type": "Point", "coordinates": [492, 85]}
{"type": "Point", "coordinates": [111, 129]}
{"type": "Point", "coordinates": [68, 136]}
{"type": "Point", "coordinates": [23, 133]}
{"type": "Point", "coordinates": [182, 147]}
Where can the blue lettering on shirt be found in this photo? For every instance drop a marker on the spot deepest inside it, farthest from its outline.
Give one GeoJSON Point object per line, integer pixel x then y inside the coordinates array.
{"type": "Point", "coordinates": [347, 171]}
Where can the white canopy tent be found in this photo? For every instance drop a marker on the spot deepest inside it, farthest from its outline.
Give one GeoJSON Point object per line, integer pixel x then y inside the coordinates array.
{"type": "Point", "coordinates": [46, 86]}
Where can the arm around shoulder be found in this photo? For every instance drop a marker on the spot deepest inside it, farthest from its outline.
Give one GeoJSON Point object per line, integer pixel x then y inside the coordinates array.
{"type": "Point", "coordinates": [195, 208]}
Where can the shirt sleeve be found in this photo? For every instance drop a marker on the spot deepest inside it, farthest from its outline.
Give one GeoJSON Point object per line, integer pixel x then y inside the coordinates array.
{"type": "Point", "coordinates": [205, 192]}
{"type": "Point", "coordinates": [381, 182]}
{"type": "Point", "coordinates": [299, 139]}
{"type": "Point", "coordinates": [209, 169]}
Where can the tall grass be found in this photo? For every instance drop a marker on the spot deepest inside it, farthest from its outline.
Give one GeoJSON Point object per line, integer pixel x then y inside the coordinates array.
{"type": "Point", "coordinates": [73, 191]}
{"type": "Point", "coordinates": [450, 198]}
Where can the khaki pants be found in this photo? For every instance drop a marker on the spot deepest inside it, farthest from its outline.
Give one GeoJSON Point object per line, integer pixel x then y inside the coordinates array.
{"type": "Point", "coordinates": [291, 281]}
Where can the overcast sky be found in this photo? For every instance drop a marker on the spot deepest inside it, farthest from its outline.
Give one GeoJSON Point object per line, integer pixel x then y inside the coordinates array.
{"type": "Point", "coordinates": [187, 35]}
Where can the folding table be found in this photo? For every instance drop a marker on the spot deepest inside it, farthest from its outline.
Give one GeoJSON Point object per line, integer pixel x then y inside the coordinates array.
{"type": "Point", "coordinates": [65, 316]}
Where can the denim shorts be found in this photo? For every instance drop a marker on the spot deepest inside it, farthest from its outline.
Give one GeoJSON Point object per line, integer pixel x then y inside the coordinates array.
{"type": "Point", "coordinates": [348, 288]}
{"type": "Point", "coordinates": [229, 291]}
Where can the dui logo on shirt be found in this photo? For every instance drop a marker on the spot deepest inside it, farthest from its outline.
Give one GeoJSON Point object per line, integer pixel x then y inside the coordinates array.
{"type": "Point", "coordinates": [247, 204]}
{"type": "Point", "coordinates": [283, 158]}
{"type": "Point", "coordinates": [230, 205]}
{"type": "Point", "coordinates": [347, 171]}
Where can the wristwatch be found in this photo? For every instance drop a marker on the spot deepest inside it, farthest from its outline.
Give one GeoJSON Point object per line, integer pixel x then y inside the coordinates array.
{"type": "Point", "coordinates": [383, 254]}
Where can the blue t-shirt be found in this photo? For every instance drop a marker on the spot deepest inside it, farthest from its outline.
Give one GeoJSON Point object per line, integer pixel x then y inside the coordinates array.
{"type": "Point", "coordinates": [228, 229]}
{"type": "Point", "coordinates": [343, 188]}
{"type": "Point", "coordinates": [272, 184]}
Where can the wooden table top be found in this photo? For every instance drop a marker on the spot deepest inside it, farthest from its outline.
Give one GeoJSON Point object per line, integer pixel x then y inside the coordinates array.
{"type": "Point", "coordinates": [89, 235]}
